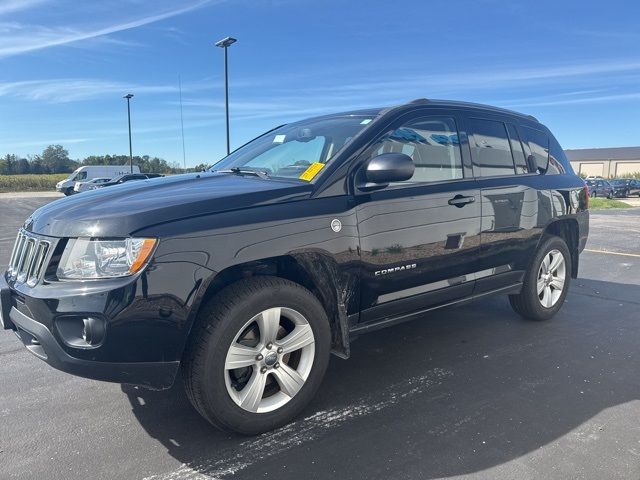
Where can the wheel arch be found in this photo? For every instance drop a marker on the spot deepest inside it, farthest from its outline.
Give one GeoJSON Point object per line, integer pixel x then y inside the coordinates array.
{"type": "Point", "coordinates": [569, 231]}
{"type": "Point", "coordinates": [315, 271]}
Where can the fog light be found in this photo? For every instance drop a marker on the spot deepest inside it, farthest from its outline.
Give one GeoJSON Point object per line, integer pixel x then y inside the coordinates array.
{"type": "Point", "coordinates": [92, 330]}
{"type": "Point", "coordinates": [81, 332]}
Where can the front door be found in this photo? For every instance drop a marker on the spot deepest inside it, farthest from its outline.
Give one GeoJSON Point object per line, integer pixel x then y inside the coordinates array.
{"type": "Point", "coordinates": [420, 238]}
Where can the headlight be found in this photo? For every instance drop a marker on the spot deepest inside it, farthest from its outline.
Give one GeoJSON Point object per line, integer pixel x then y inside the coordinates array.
{"type": "Point", "coordinates": [85, 258]}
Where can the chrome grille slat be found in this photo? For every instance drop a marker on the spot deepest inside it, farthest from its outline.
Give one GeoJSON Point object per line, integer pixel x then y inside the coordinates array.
{"type": "Point", "coordinates": [16, 261]}
{"type": "Point", "coordinates": [28, 259]}
{"type": "Point", "coordinates": [25, 260]}
{"type": "Point", "coordinates": [14, 252]}
{"type": "Point", "coordinates": [36, 270]}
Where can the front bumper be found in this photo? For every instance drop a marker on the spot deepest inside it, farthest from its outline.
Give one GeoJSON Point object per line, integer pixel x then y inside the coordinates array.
{"type": "Point", "coordinates": [145, 319]}
{"type": "Point", "coordinates": [41, 342]}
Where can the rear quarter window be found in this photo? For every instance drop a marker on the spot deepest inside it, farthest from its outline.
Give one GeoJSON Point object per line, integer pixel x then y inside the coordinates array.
{"type": "Point", "coordinates": [538, 142]}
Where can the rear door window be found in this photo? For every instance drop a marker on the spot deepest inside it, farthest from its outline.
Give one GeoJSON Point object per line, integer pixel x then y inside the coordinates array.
{"type": "Point", "coordinates": [490, 147]}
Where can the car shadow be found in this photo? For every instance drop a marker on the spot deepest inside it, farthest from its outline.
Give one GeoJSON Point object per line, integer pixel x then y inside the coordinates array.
{"type": "Point", "coordinates": [456, 392]}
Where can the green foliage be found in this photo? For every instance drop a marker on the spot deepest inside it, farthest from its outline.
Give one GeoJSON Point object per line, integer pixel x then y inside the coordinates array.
{"type": "Point", "coordinates": [30, 182]}
{"type": "Point", "coordinates": [629, 175]}
{"type": "Point", "coordinates": [55, 159]}
{"type": "Point", "coordinates": [606, 203]}
{"type": "Point", "coordinates": [200, 167]}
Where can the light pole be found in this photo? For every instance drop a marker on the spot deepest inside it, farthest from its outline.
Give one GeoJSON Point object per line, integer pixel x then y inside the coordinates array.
{"type": "Point", "coordinates": [226, 43]}
{"type": "Point", "coordinates": [129, 96]}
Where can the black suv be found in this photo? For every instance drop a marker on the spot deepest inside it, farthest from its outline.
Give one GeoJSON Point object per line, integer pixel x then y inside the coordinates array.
{"type": "Point", "coordinates": [247, 276]}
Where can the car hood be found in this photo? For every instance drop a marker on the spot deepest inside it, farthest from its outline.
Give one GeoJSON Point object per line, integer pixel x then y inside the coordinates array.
{"type": "Point", "coordinates": [121, 210]}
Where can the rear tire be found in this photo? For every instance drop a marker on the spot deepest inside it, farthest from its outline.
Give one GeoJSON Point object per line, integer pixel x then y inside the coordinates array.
{"type": "Point", "coordinates": [546, 282]}
{"type": "Point", "coordinates": [265, 335]}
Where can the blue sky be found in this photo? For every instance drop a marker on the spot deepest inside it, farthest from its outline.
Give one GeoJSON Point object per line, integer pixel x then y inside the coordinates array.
{"type": "Point", "coordinates": [65, 64]}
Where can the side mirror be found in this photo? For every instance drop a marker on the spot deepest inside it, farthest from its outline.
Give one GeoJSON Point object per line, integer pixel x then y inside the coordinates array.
{"type": "Point", "coordinates": [380, 171]}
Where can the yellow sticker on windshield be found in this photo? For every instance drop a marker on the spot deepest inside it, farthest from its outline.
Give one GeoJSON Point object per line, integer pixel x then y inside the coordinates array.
{"type": "Point", "coordinates": [312, 171]}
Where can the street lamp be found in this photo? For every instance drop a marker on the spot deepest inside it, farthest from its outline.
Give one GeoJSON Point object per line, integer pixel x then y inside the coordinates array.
{"type": "Point", "coordinates": [129, 96]}
{"type": "Point", "coordinates": [226, 43]}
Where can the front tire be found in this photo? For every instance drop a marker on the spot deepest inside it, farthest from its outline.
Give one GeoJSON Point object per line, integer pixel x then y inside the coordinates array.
{"type": "Point", "coordinates": [546, 282]}
{"type": "Point", "coordinates": [257, 355]}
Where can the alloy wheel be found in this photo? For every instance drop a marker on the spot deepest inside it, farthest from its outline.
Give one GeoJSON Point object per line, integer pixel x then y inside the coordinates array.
{"type": "Point", "coordinates": [269, 360]}
{"type": "Point", "coordinates": [551, 278]}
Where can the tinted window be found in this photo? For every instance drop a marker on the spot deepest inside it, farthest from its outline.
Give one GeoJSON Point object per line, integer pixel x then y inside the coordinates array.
{"type": "Point", "coordinates": [81, 176]}
{"type": "Point", "coordinates": [433, 145]}
{"type": "Point", "coordinates": [557, 158]}
{"type": "Point", "coordinates": [538, 144]}
{"type": "Point", "coordinates": [490, 147]}
{"type": "Point", "coordinates": [519, 158]}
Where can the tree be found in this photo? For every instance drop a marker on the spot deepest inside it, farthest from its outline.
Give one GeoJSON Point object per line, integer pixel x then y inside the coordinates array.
{"type": "Point", "coordinates": [22, 166]}
{"type": "Point", "coordinates": [7, 164]}
{"type": "Point", "coordinates": [200, 167]}
{"type": "Point", "coordinates": [56, 159]}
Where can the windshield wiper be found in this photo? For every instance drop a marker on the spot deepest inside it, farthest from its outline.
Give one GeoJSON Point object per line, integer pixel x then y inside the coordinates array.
{"type": "Point", "coordinates": [242, 171]}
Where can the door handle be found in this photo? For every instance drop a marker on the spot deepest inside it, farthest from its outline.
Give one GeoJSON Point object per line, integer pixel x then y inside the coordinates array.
{"type": "Point", "coordinates": [460, 200]}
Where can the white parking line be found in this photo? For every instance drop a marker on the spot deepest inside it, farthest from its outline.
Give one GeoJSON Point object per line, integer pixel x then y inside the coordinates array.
{"type": "Point", "coordinates": [607, 252]}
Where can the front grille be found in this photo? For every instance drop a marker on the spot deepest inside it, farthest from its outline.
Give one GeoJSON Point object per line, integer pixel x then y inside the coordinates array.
{"type": "Point", "coordinates": [28, 259]}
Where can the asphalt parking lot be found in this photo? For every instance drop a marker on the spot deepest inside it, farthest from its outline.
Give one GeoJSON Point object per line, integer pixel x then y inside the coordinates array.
{"type": "Point", "coordinates": [473, 392]}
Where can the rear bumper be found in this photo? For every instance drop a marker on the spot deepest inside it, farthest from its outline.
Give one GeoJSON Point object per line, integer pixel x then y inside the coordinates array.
{"type": "Point", "coordinates": [40, 341]}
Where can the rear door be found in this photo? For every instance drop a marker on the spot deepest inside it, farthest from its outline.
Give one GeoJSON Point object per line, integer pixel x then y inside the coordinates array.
{"type": "Point", "coordinates": [420, 238]}
{"type": "Point", "coordinates": [516, 206]}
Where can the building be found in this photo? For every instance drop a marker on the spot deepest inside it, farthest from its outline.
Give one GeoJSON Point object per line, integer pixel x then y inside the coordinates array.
{"type": "Point", "coordinates": [605, 162]}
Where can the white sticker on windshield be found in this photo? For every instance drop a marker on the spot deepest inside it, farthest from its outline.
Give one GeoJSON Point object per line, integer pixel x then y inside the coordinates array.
{"type": "Point", "coordinates": [365, 121]}
{"type": "Point", "coordinates": [279, 139]}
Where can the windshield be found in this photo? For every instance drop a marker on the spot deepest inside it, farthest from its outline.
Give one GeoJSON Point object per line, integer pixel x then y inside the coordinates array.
{"type": "Point", "coordinates": [298, 150]}
{"type": "Point", "coordinates": [618, 182]}
{"type": "Point", "coordinates": [77, 175]}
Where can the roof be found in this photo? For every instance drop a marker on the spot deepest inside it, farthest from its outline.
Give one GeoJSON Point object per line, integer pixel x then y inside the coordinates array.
{"type": "Point", "coordinates": [435, 103]}
{"type": "Point", "coordinates": [618, 153]}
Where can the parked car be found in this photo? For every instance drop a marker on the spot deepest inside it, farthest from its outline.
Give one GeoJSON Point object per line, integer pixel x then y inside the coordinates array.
{"type": "Point", "coordinates": [90, 185]}
{"type": "Point", "coordinates": [89, 172]}
{"type": "Point", "coordinates": [599, 188]}
{"type": "Point", "coordinates": [128, 178]}
{"type": "Point", "coordinates": [247, 276]}
{"type": "Point", "coordinates": [625, 187]}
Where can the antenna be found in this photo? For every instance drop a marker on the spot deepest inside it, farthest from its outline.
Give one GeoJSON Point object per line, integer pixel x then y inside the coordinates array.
{"type": "Point", "coordinates": [184, 157]}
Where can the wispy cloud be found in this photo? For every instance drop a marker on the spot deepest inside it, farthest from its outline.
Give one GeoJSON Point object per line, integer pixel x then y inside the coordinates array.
{"type": "Point", "coordinates": [621, 97]}
{"type": "Point", "coordinates": [77, 89]}
{"type": "Point", "coordinates": [8, 144]}
{"type": "Point", "coordinates": [11, 6]}
{"type": "Point", "coordinates": [18, 38]}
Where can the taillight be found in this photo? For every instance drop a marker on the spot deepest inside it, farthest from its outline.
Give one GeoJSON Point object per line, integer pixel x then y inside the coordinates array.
{"type": "Point", "coordinates": [585, 189]}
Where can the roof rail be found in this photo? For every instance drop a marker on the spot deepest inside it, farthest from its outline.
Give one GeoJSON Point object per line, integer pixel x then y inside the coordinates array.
{"type": "Point", "coordinates": [418, 101]}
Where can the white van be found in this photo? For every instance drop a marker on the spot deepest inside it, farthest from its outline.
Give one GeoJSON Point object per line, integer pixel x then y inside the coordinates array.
{"type": "Point", "coordinates": [89, 172]}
